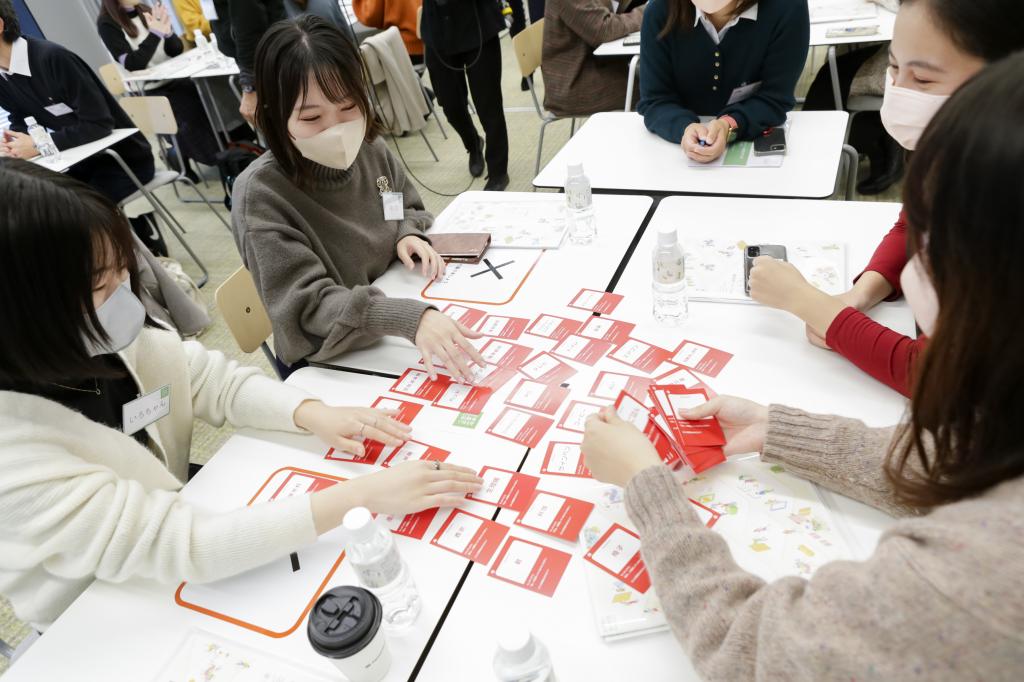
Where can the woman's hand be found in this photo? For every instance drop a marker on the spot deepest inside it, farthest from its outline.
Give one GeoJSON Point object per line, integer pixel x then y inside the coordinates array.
{"type": "Point", "coordinates": [441, 336]}
{"type": "Point", "coordinates": [159, 20]}
{"type": "Point", "coordinates": [777, 284]}
{"type": "Point", "coordinates": [414, 486]}
{"type": "Point", "coordinates": [715, 135]}
{"type": "Point", "coordinates": [18, 145]}
{"type": "Point", "coordinates": [340, 426]}
{"type": "Point", "coordinates": [614, 450]}
{"type": "Point", "coordinates": [431, 264]}
{"type": "Point", "coordinates": [744, 422]}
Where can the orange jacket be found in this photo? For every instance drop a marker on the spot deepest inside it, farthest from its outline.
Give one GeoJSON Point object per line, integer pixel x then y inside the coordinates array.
{"type": "Point", "coordinates": [387, 13]}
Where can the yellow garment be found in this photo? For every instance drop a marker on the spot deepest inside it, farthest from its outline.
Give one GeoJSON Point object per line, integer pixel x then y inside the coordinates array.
{"type": "Point", "coordinates": [190, 14]}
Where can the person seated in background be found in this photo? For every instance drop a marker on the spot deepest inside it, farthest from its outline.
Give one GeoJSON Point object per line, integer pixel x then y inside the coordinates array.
{"type": "Point", "coordinates": [939, 598]}
{"type": "Point", "coordinates": [576, 83]}
{"type": "Point", "coordinates": [384, 14]}
{"type": "Point", "coordinates": [937, 46]}
{"type": "Point", "coordinates": [191, 16]}
{"type": "Point", "coordinates": [308, 215]}
{"type": "Point", "coordinates": [736, 61]}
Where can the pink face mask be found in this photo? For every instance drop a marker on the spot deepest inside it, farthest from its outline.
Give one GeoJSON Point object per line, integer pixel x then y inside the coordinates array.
{"type": "Point", "coordinates": [920, 293]}
{"type": "Point", "coordinates": [711, 6]}
{"type": "Point", "coordinates": [906, 113]}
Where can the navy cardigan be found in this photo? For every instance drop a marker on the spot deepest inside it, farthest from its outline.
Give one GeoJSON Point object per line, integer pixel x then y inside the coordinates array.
{"type": "Point", "coordinates": [678, 72]}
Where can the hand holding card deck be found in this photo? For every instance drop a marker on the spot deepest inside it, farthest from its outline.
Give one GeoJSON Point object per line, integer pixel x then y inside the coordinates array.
{"type": "Point", "coordinates": [639, 415]}
{"type": "Point", "coordinates": [701, 440]}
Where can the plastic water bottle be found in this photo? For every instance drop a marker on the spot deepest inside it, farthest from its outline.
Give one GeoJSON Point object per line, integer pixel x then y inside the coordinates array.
{"type": "Point", "coordinates": [41, 137]}
{"type": "Point", "coordinates": [668, 288]}
{"type": "Point", "coordinates": [219, 59]}
{"type": "Point", "coordinates": [202, 44]}
{"type": "Point", "coordinates": [380, 568]}
{"type": "Point", "coordinates": [521, 657]}
{"type": "Point", "coordinates": [580, 205]}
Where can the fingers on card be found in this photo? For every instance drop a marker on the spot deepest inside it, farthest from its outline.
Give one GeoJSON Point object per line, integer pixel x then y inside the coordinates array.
{"type": "Point", "coordinates": [407, 410]}
{"type": "Point", "coordinates": [603, 302]}
{"type": "Point", "coordinates": [531, 566]}
{"type": "Point", "coordinates": [555, 515]}
{"type": "Point", "coordinates": [701, 358]}
{"type": "Point", "coordinates": [503, 327]}
{"type": "Point", "coordinates": [582, 350]}
{"type": "Point", "coordinates": [504, 488]}
{"type": "Point", "coordinates": [575, 418]}
{"type": "Point", "coordinates": [520, 427]}
{"type": "Point", "coordinates": [564, 459]}
{"type": "Point", "coordinates": [547, 369]}
{"type": "Point", "coordinates": [468, 317]}
{"type": "Point", "coordinates": [470, 536]}
{"type": "Point", "coordinates": [371, 451]}
{"type": "Point", "coordinates": [553, 327]}
{"type": "Point", "coordinates": [537, 396]}
{"type": "Point", "coordinates": [417, 383]}
{"type": "Point", "coordinates": [617, 553]}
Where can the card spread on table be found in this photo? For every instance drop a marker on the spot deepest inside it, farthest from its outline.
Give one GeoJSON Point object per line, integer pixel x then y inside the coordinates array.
{"type": "Point", "coordinates": [503, 327]}
{"type": "Point", "coordinates": [407, 410]}
{"type": "Point", "coordinates": [617, 553]}
{"type": "Point", "coordinates": [682, 377]}
{"type": "Point", "coordinates": [609, 385]}
{"type": "Point", "coordinates": [503, 353]}
{"type": "Point", "coordinates": [410, 525]}
{"type": "Point", "coordinates": [465, 316]}
{"type": "Point", "coordinates": [527, 564]}
{"type": "Point", "coordinates": [575, 418]}
{"type": "Point", "coordinates": [464, 398]}
{"type": "Point", "coordinates": [547, 369]}
{"type": "Point", "coordinates": [607, 329]}
{"type": "Point", "coordinates": [556, 515]}
{"type": "Point", "coordinates": [417, 383]}
{"type": "Point", "coordinates": [581, 349]}
{"type": "Point", "coordinates": [701, 358]}
{"type": "Point", "coordinates": [520, 427]}
{"type": "Point", "coordinates": [564, 459]}
{"type": "Point", "coordinates": [371, 451]}
{"type": "Point", "coordinates": [491, 376]}
{"type": "Point", "coordinates": [537, 396]}
{"type": "Point", "coordinates": [553, 327]}
{"type": "Point", "coordinates": [643, 356]}
{"type": "Point", "coordinates": [639, 415]}
{"type": "Point", "coordinates": [412, 449]}
{"type": "Point", "coordinates": [603, 302]}
{"type": "Point", "coordinates": [504, 488]}
{"type": "Point", "coordinates": [471, 536]}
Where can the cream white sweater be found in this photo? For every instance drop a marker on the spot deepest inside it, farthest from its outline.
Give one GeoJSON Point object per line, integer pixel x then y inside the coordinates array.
{"type": "Point", "coordinates": [80, 501]}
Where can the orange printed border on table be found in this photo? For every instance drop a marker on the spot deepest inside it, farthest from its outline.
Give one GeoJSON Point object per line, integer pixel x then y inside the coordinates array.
{"type": "Point", "coordinates": [495, 303]}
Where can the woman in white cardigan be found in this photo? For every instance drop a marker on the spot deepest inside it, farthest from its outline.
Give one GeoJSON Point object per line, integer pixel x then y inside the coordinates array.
{"type": "Point", "coordinates": [80, 498]}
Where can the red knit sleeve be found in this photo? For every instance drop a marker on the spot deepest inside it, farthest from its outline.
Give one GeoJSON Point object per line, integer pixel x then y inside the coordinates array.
{"type": "Point", "coordinates": [890, 257]}
{"type": "Point", "coordinates": [881, 352]}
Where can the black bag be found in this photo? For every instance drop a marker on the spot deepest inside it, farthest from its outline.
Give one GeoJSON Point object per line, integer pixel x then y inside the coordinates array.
{"type": "Point", "coordinates": [232, 161]}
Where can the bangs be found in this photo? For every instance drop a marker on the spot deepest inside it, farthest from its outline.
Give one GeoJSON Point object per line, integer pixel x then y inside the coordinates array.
{"type": "Point", "coordinates": [328, 76]}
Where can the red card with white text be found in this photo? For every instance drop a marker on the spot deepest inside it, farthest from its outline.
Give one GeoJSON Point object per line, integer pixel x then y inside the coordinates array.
{"type": "Point", "coordinates": [464, 398]}
{"type": "Point", "coordinates": [581, 349]}
{"type": "Point", "coordinates": [471, 536]}
{"type": "Point", "coordinates": [369, 456]}
{"type": "Point", "coordinates": [556, 515]}
{"type": "Point", "coordinates": [609, 385]}
{"type": "Point", "coordinates": [575, 418]}
{"type": "Point", "coordinates": [417, 383]}
{"type": "Point", "coordinates": [640, 355]}
{"type": "Point", "coordinates": [503, 327]}
{"type": "Point", "coordinates": [491, 376]}
{"type": "Point", "coordinates": [603, 302]}
{"type": "Point", "coordinates": [547, 369]}
{"type": "Point", "coordinates": [527, 564]}
{"type": "Point", "coordinates": [411, 525]}
{"type": "Point", "coordinates": [701, 358]}
{"type": "Point", "coordinates": [407, 411]}
{"type": "Point", "coordinates": [606, 329]}
{"type": "Point", "coordinates": [412, 449]}
{"type": "Point", "coordinates": [699, 433]}
{"type": "Point", "coordinates": [553, 327]}
{"type": "Point", "coordinates": [639, 415]}
{"type": "Point", "coordinates": [520, 427]}
{"type": "Point", "coordinates": [617, 553]}
{"type": "Point", "coordinates": [504, 488]}
{"type": "Point", "coordinates": [682, 377]}
{"type": "Point", "coordinates": [564, 459]}
{"type": "Point", "coordinates": [503, 353]}
{"type": "Point", "coordinates": [466, 316]}
{"type": "Point", "coordinates": [537, 396]}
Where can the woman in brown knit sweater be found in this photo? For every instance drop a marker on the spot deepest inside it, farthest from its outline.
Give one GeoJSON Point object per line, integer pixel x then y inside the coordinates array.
{"type": "Point", "coordinates": [940, 598]}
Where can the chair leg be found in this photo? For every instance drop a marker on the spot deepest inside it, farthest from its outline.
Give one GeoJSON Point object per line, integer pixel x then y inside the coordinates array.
{"type": "Point", "coordinates": [852, 161]}
{"type": "Point", "coordinates": [270, 358]}
{"type": "Point", "coordinates": [540, 146]}
{"type": "Point", "coordinates": [204, 200]}
{"type": "Point", "coordinates": [572, 127]}
{"type": "Point", "coordinates": [427, 142]}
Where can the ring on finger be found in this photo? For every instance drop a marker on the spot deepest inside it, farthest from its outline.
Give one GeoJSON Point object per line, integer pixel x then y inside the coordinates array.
{"type": "Point", "coordinates": [437, 465]}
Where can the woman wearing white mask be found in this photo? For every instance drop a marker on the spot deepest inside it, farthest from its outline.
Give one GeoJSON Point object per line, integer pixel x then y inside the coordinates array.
{"type": "Point", "coordinates": [309, 216]}
{"type": "Point", "coordinates": [85, 494]}
{"type": "Point", "coordinates": [939, 599]}
{"type": "Point", "coordinates": [937, 46]}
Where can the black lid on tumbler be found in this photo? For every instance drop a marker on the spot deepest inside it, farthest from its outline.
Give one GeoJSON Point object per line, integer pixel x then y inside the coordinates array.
{"type": "Point", "coordinates": [343, 621]}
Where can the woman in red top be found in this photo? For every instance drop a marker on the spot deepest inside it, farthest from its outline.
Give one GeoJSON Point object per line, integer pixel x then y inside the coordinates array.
{"type": "Point", "coordinates": [937, 46]}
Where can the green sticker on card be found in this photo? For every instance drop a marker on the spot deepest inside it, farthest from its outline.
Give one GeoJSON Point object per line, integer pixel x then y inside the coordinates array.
{"type": "Point", "coordinates": [467, 421]}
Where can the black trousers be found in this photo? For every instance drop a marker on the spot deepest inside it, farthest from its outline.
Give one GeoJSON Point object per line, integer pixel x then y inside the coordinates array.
{"type": "Point", "coordinates": [519, 14]}
{"type": "Point", "coordinates": [449, 74]}
{"type": "Point", "coordinates": [195, 135]}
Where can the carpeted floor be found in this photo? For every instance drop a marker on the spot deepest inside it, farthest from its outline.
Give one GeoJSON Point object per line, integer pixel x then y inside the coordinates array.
{"type": "Point", "coordinates": [449, 176]}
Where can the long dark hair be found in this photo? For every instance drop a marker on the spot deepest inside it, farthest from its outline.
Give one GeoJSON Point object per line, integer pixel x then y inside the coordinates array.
{"type": "Point", "coordinates": [57, 236]}
{"type": "Point", "coordinates": [681, 14]}
{"type": "Point", "coordinates": [289, 52]}
{"type": "Point", "coordinates": [964, 201]}
{"type": "Point", "coordinates": [989, 29]}
{"type": "Point", "coordinates": [114, 10]}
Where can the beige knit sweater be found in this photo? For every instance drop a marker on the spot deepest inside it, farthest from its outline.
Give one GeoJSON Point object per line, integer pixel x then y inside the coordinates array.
{"type": "Point", "coordinates": [942, 597]}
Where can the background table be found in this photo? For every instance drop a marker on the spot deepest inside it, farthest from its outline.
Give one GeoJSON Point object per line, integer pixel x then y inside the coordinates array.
{"type": "Point", "coordinates": [885, 21]}
{"type": "Point", "coordinates": [69, 157]}
{"type": "Point", "coordinates": [618, 48]}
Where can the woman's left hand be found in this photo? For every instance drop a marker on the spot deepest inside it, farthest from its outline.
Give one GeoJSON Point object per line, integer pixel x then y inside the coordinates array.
{"type": "Point", "coordinates": [340, 426]}
{"type": "Point", "coordinates": [614, 450]}
{"type": "Point", "coordinates": [431, 264]}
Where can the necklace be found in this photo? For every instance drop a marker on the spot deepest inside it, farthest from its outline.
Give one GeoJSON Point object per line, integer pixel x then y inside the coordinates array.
{"type": "Point", "coordinates": [95, 389]}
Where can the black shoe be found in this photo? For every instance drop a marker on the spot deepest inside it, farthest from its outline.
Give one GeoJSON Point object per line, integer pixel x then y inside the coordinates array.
{"type": "Point", "coordinates": [476, 158]}
{"type": "Point", "coordinates": [889, 172]}
{"type": "Point", "coordinates": [524, 85]}
{"type": "Point", "coordinates": [497, 184]}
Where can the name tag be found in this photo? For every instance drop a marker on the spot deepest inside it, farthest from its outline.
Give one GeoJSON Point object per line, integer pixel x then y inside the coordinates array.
{"type": "Point", "coordinates": [743, 92]}
{"type": "Point", "coordinates": [60, 109]}
{"type": "Point", "coordinates": [144, 410]}
{"type": "Point", "coordinates": [394, 205]}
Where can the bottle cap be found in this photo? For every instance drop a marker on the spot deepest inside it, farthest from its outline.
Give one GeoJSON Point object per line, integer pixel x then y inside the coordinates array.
{"type": "Point", "coordinates": [343, 621]}
{"type": "Point", "coordinates": [30, 121]}
{"type": "Point", "coordinates": [667, 236]}
{"type": "Point", "coordinates": [516, 644]}
{"type": "Point", "coordinates": [359, 525]}
{"type": "Point", "coordinates": [575, 169]}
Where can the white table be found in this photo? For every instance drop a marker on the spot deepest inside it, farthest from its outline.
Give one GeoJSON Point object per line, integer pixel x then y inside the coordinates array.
{"type": "Point", "coordinates": [619, 154]}
{"type": "Point", "coordinates": [74, 155]}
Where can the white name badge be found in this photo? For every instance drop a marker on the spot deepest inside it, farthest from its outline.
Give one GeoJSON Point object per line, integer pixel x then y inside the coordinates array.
{"type": "Point", "coordinates": [743, 92]}
{"type": "Point", "coordinates": [60, 109]}
{"type": "Point", "coordinates": [144, 410]}
{"type": "Point", "coordinates": [394, 205]}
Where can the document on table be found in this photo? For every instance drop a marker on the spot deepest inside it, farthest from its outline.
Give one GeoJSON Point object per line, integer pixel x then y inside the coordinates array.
{"type": "Point", "coordinates": [740, 154]}
{"type": "Point", "coordinates": [824, 11]}
{"type": "Point", "coordinates": [513, 224]}
{"type": "Point", "coordinates": [212, 658]}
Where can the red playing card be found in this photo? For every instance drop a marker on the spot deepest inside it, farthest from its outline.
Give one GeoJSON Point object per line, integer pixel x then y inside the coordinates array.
{"type": "Point", "coordinates": [412, 449]}
{"type": "Point", "coordinates": [702, 459]}
{"type": "Point", "coordinates": [520, 427]}
{"type": "Point", "coordinates": [609, 385]}
{"type": "Point", "coordinates": [582, 349]}
{"type": "Point", "coordinates": [643, 356]}
{"type": "Point", "coordinates": [603, 302]}
{"type": "Point", "coordinates": [503, 353]}
{"type": "Point", "coordinates": [575, 418]}
{"type": "Point", "coordinates": [464, 398]}
{"type": "Point", "coordinates": [417, 383]}
{"type": "Point", "coordinates": [701, 358]}
{"type": "Point", "coordinates": [617, 553]}
{"type": "Point", "coordinates": [639, 415]}
{"type": "Point", "coordinates": [533, 395]}
{"type": "Point", "coordinates": [699, 433]}
{"type": "Point", "coordinates": [471, 536]}
{"type": "Point", "coordinates": [553, 327]}
{"type": "Point", "coordinates": [466, 316]}
{"type": "Point", "coordinates": [529, 565]}
{"type": "Point", "coordinates": [556, 515]}
{"type": "Point", "coordinates": [564, 459]}
{"type": "Point", "coordinates": [503, 327]}
{"type": "Point", "coordinates": [682, 377]}
{"type": "Point", "coordinates": [407, 410]}
{"type": "Point", "coordinates": [547, 369]}
{"type": "Point", "coordinates": [371, 451]}
{"type": "Point", "coordinates": [492, 376]}
{"type": "Point", "coordinates": [607, 329]}
{"type": "Point", "coordinates": [504, 488]}
{"type": "Point", "coordinates": [411, 525]}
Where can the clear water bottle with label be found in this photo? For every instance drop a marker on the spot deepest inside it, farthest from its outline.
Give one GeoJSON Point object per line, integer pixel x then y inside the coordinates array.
{"type": "Point", "coordinates": [41, 138]}
{"type": "Point", "coordinates": [580, 206]}
{"type": "Point", "coordinates": [521, 657]}
{"type": "Point", "coordinates": [381, 569]}
{"type": "Point", "coordinates": [668, 288]}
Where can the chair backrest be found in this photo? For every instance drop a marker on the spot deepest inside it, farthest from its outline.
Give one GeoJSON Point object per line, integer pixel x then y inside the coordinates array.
{"type": "Point", "coordinates": [151, 115]}
{"type": "Point", "coordinates": [528, 45]}
{"type": "Point", "coordinates": [111, 76]}
{"type": "Point", "coordinates": [243, 310]}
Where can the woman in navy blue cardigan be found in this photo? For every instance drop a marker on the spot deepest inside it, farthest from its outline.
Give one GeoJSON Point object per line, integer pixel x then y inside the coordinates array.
{"type": "Point", "coordinates": [735, 60]}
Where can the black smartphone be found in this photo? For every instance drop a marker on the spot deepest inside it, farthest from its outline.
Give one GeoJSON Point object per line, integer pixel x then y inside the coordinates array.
{"type": "Point", "coordinates": [774, 250]}
{"type": "Point", "coordinates": [771, 142]}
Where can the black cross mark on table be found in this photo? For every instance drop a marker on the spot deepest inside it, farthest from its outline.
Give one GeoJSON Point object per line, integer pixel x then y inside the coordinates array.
{"type": "Point", "coordinates": [492, 268]}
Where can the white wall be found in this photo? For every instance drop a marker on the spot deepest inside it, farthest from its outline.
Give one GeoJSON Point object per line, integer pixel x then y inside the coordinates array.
{"type": "Point", "coordinates": [71, 23]}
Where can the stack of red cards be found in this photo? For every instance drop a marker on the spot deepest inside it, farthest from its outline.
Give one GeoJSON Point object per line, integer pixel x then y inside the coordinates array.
{"type": "Point", "coordinates": [701, 440]}
{"type": "Point", "coordinates": [639, 415]}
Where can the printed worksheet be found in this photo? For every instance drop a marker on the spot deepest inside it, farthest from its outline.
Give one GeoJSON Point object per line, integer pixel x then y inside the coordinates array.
{"type": "Point", "coordinates": [513, 224]}
{"type": "Point", "coordinates": [824, 11]}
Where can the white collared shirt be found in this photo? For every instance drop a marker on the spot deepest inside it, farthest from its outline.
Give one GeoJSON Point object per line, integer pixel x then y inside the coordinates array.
{"type": "Point", "coordinates": [716, 35]}
{"type": "Point", "coordinates": [19, 60]}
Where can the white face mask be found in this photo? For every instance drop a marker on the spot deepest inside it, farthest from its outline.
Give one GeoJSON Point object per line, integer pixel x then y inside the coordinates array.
{"type": "Point", "coordinates": [920, 294]}
{"type": "Point", "coordinates": [906, 113]}
{"type": "Point", "coordinates": [121, 316]}
{"type": "Point", "coordinates": [335, 147]}
{"type": "Point", "coordinates": [711, 6]}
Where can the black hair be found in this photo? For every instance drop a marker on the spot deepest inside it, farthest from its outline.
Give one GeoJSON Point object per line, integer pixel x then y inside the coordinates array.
{"type": "Point", "coordinates": [12, 27]}
{"type": "Point", "coordinates": [57, 238]}
{"type": "Point", "coordinates": [988, 29]}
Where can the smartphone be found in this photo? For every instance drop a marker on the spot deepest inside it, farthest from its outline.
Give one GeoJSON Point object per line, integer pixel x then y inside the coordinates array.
{"type": "Point", "coordinates": [774, 250]}
{"type": "Point", "coordinates": [771, 142]}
